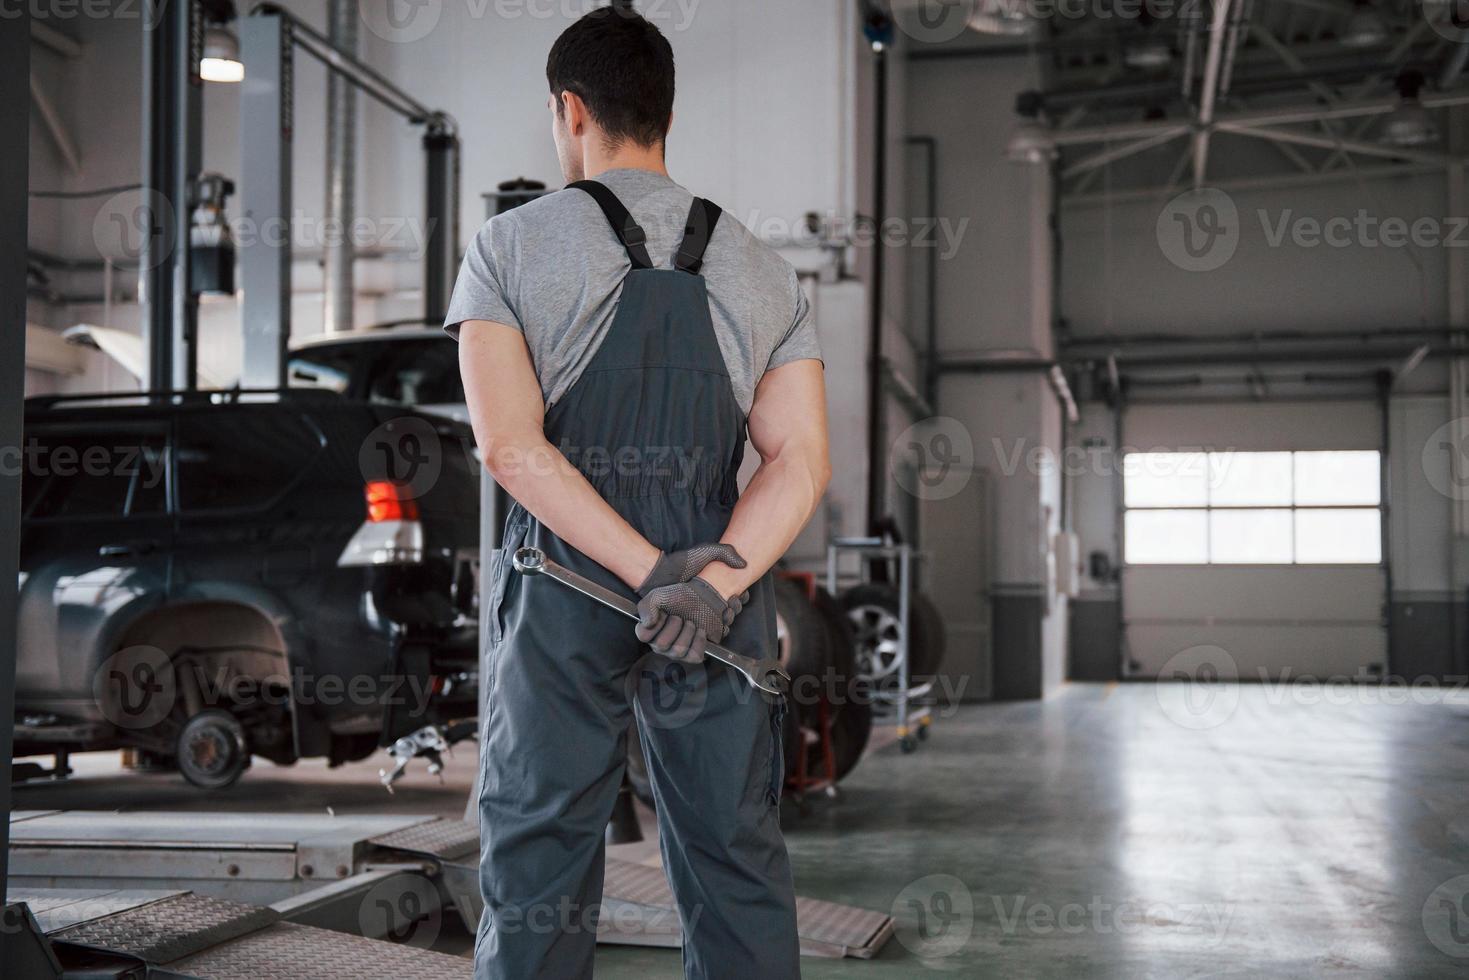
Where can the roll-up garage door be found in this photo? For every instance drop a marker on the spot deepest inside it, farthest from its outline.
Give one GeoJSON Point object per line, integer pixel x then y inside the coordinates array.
{"type": "Point", "coordinates": [1256, 530]}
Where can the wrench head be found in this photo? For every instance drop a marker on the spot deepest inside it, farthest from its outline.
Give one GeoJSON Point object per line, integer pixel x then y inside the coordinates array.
{"type": "Point", "coordinates": [775, 681]}
{"type": "Point", "coordinates": [529, 561]}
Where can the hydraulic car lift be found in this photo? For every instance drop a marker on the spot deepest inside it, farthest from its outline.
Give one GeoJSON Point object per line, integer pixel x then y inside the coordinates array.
{"type": "Point", "coordinates": [231, 895]}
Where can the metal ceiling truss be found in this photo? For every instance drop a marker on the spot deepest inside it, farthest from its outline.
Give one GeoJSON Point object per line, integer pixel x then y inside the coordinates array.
{"type": "Point", "coordinates": [1229, 60]}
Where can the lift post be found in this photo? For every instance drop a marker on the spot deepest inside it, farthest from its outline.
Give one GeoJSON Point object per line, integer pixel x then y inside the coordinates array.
{"type": "Point", "coordinates": [266, 120]}
{"type": "Point", "coordinates": [172, 151]}
{"type": "Point", "coordinates": [15, 56]}
{"type": "Point", "coordinates": [268, 38]}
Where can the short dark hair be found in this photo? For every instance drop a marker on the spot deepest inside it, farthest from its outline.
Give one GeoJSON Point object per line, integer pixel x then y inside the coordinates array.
{"type": "Point", "coordinates": [621, 66]}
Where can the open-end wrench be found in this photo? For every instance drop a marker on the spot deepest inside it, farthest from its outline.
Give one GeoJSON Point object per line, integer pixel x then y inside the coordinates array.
{"type": "Point", "coordinates": [765, 675]}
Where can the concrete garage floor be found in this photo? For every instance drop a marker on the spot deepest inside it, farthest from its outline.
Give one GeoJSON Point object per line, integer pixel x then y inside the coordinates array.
{"type": "Point", "coordinates": [1111, 831]}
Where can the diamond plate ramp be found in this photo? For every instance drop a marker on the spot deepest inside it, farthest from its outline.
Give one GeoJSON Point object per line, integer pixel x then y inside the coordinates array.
{"type": "Point", "coordinates": [169, 929]}
{"type": "Point", "coordinates": [447, 840]}
{"type": "Point", "coordinates": [827, 929]}
{"type": "Point", "coordinates": [287, 951]}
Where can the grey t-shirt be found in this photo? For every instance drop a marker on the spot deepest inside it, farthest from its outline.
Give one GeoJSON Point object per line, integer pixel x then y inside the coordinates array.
{"type": "Point", "coordinates": [553, 269]}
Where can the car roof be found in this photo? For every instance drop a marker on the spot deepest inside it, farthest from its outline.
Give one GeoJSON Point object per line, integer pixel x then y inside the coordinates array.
{"type": "Point", "coordinates": [370, 335]}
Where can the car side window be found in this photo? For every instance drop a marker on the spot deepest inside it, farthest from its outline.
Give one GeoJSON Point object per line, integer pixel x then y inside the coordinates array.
{"type": "Point", "coordinates": [240, 460]}
{"type": "Point", "coordinates": [94, 473]}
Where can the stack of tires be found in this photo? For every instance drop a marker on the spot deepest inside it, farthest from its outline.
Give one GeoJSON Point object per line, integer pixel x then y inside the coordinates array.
{"type": "Point", "coordinates": [818, 650]}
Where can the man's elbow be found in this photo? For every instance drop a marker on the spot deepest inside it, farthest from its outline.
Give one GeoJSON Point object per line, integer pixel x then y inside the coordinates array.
{"type": "Point", "coordinates": [509, 455]}
{"type": "Point", "coordinates": [820, 467]}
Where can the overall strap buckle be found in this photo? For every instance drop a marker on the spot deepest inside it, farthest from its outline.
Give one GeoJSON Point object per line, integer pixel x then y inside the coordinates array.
{"type": "Point", "coordinates": [628, 232]}
{"type": "Point", "coordinates": [698, 229]}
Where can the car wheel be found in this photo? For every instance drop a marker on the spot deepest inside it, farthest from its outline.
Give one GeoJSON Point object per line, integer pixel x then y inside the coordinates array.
{"type": "Point", "coordinates": [841, 647]}
{"type": "Point", "coordinates": [212, 750]}
{"type": "Point", "coordinates": [800, 634]}
{"type": "Point", "coordinates": [872, 610]}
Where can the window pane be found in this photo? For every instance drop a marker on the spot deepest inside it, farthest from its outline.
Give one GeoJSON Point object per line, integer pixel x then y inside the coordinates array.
{"type": "Point", "coordinates": [1166, 537]}
{"type": "Point", "coordinates": [240, 459]}
{"type": "Point", "coordinates": [1258, 537]}
{"type": "Point", "coordinates": [1165, 479]}
{"type": "Point", "coordinates": [1339, 536]}
{"type": "Point", "coordinates": [94, 474]}
{"type": "Point", "coordinates": [1249, 479]}
{"type": "Point", "coordinates": [1338, 478]}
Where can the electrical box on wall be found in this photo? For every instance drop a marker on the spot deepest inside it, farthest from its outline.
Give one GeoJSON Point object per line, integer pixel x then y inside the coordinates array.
{"type": "Point", "coordinates": [1067, 549]}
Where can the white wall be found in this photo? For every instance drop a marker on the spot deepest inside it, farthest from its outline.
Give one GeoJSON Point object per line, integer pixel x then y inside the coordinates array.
{"type": "Point", "coordinates": [763, 125]}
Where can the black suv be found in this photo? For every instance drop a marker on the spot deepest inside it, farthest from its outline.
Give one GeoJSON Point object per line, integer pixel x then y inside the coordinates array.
{"type": "Point", "coordinates": [212, 575]}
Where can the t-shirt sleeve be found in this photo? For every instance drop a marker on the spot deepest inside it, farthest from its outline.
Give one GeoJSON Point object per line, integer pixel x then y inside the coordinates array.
{"type": "Point", "coordinates": [799, 342]}
{"type": "Point", "coordinates": [480, 292]}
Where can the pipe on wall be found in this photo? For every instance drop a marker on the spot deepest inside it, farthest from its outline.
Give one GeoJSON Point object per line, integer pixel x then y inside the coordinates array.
{"type": "Point", "coordinates": [341, 173]}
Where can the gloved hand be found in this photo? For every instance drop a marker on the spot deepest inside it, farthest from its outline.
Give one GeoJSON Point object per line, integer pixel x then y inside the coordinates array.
{"type": "Point", "coordinates": [674, 567]}
{"type": "Point", "coordinates": [682, 619]}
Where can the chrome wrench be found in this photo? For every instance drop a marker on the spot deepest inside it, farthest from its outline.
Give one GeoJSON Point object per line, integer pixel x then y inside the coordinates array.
{"type": "Point", "coordinates": [764, 675]}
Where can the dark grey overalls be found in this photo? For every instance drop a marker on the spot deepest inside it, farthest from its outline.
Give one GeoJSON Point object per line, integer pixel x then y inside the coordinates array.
{"type": "Point", "coordinates": [654, 425]}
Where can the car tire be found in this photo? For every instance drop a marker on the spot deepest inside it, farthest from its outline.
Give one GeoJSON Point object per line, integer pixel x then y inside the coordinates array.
{"type": "Point", "coordinates": [212, 751]}
{"type": "Point", "coordinates": [841, 647]}
{"type": "Point", "coordinates": [800, 633]}
{"type": "Point", "coordinates": [872, 609]}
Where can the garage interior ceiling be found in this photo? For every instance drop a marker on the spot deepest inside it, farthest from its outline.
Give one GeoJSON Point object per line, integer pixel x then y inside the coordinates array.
{"type": "Point", "coordinates": [1307, 76]}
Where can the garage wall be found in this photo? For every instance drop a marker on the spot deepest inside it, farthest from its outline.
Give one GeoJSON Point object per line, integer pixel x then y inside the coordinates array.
{"type": "Point", "coordinates": [763, 125]}
{"type": "Point", "coordinates": [993, 297]}
{"type": "Point", "coordinates": [1424, 611]}
{"type": "Point", "coordinates": [1117, 281]}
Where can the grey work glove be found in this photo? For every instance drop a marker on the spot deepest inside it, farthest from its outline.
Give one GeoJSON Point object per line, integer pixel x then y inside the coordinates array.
{"type": "Point", "coordinates": [682, 619]}
{"type": "Point", "coordinates": [674, 567]}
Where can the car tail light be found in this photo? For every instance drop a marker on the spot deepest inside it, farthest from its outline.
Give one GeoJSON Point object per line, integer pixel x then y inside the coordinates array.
{"type": "Point", "coordinates": [387, 502]}
{"type": "Point", "coordinates": [391, 535]}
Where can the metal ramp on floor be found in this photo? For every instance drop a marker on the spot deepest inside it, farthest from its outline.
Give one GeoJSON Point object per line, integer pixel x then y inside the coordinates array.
{"type": "Point", "coordinates": [638, 907]}
{"type": "Point", "coordinates": [183, 935]}
{"type": "Point", "coordinates": [194, 890]}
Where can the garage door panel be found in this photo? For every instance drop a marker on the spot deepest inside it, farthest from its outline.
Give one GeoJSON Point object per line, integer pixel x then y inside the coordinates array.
{"type": "Point", "coordinates": [1273, 593]}
{"type": "Point", "coordinates": [1257, 651]}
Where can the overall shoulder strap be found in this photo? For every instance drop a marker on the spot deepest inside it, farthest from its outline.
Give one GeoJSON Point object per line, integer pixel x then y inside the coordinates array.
{"type": "Point", "coordinates": [703, 216]}
{"type": "Point", "coordinates": [623, 226]}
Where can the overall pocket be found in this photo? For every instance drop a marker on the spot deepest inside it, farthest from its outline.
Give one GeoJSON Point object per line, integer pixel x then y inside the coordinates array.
{"type": "Point", "coordinates": [777, 751]}
{"type": "Point", "coordinates": [501, 568]}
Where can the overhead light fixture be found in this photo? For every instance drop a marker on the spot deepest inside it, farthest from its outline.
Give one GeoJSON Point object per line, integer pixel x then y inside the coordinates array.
{"type": "Point", "coordinates": [1410, 123]}
{"type": "Point", "coordinates": [1148, 55]}
{"type": "Point", "coordinates": [1365, 27]}
{"type": "Point", "coordinates": [221, 60]}
{"type": "Point", "coordinates": [1005, 18]}
{"type": "Point", "coordinates": [1031, 143]}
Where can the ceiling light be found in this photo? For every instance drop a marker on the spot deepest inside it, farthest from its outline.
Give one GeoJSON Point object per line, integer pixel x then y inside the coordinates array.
{"type": "Point", "coordinates": [1005, 18]}
{"type": "Point", "coordinates": [1365, 27]}
{"type": "Point", "coordinates": [1410, 123]}
{"type": "Point", "coordinates": [1149, 55]}
{"type": "Point", "coordinates": [1031, 143]}
{"type": "Point", "coordinates": [221, 60]}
